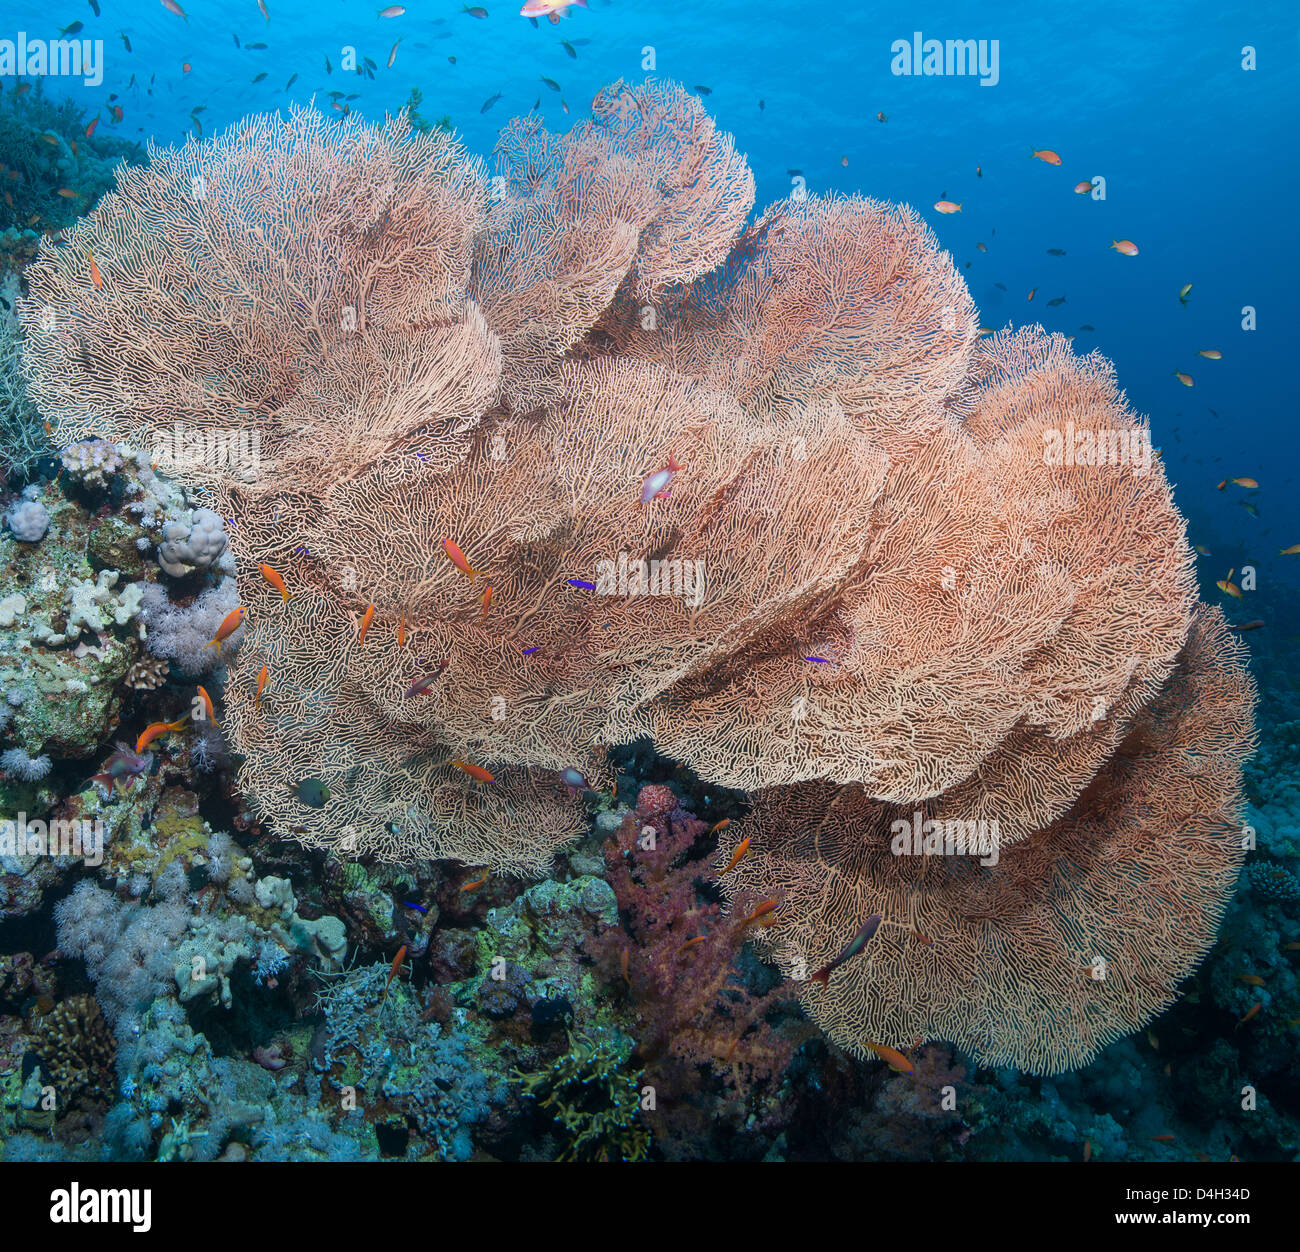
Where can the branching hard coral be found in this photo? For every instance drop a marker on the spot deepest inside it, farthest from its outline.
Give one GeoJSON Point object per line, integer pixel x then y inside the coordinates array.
{"type": "Point", "coordinates": [419, 1069]}
{"type": "Point", "coordinates": [869, 590]}
{"type": "Point", "coordinates": [22, 437]}
{"type": "Point", "coordinates": [595, 1099]}
{"type": "Point", "coordinates": [76, 1051]}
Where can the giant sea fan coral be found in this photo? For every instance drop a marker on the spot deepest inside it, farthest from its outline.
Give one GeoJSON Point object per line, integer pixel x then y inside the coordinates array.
{"type": "Point", "coordinates": [427, 352]}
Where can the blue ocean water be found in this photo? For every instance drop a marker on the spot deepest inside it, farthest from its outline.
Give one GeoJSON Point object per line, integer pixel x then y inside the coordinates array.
{"type": "Point", "coordinates": [1187, 113]}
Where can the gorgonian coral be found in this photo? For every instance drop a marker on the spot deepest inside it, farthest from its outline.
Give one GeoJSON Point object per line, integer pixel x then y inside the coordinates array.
{"type": "Point", "coordinates": [868, 592]}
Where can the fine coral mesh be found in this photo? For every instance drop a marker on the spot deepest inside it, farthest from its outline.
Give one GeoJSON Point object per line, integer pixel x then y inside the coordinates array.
{"type": "Point", "coordinates": [870, 591]}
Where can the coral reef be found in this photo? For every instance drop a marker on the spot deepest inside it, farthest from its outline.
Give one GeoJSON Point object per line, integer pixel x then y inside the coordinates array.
{"type": "Point", "coordinates": [595, 1099]}
{"type": "Point", "coordinates": [28, 521]}
{"type": "Point", "coordinates": [23, 442]}
{"type": "Point", "coordinates": [958, 625]}
{"type": "Point", "coordinates": [674, 957]}
{"type": "Point", "coordinates": [953, 632]}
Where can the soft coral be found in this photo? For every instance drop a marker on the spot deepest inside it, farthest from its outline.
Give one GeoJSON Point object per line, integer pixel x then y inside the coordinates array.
{"type": "Point", "coordinates": [693, 1008]}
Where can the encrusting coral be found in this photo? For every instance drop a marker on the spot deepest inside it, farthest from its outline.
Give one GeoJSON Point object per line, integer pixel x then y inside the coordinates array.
{"type": "Point", "coordinates": [866, 591]}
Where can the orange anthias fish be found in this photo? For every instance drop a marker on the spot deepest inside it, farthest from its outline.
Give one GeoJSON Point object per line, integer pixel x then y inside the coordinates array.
{"type": "Point", "coordinates": [1251, 980]}
{"type": "Point", "coordinates": [1160, 1138]}
{"type": "Point", "coordinates": [172, 7]}
{"type": "Point", "coordinates": [742, 850]}
{"type": "Point", "coordinates": [457, 558]}
{"type": "Point", "coordinates": [263, 675]}
{"type": "Point", "coordinates": [717, 826]}
{"type": "Point", "coordinates": [761, 911]}
{"type": "Point", "coordinates": [272, 576]}
{"type": "Point", "coordinates": [1254, 1008]}
{"type": "Point", "coordinates": [894, 1059]}
{"type": "Point", "coordinates": [229, 624]}
{"type": "Point", "coordinates": [1082, 189]}
{"type": "Point", "coordinates": [690, 943]}
{"type": "Point", "coordinates": [95, 276]}
{"type": "Point", "coordinates": [392, 973]}
{"type": "Point", "coordinates": [1032, 292]}
{"type": "Point", "coordinates": [476, 772]}
{"type": "Point", "coordinates": [1228, 587]}
{"type": "Point", "coordinates": [1186, 379]}
{"type": "Point", "coordinates": [207, 705]}
{"type": "Point", "coordinates": [154, 729]}
{"type": "Point", "coordinates": [487, 601]}
{"type": "Point", "coordinates": [1125, 247]}
{"type": "Point", "coordinates": [1047, 155]}
{"type": "Point", "coordinates": [476, 884]}
{"type": "Point", "coordinates": [367, 618]}
{"type": "Point", "coordinates": [90, 130]}
{"type": "Point", "coordinates": [851, 949]}
{"type": "Point", "coordinates": [401, 631]}
{"type": "Point", "coordinates": [1249, 483]}
{"type": "Point", "coordinates": [946, 206]}
{"type": "Point", "coordinates": [1293, 550]}
{"type": "Point", "coordinates": [1212, 354]}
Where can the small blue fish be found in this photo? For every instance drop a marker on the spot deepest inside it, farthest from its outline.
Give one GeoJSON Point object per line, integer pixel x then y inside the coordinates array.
{"type": "Point", "coordinates": [530, 651]}
{"type": "Point", "coordinates": [419, 908]}
{"type": "Point", "coordinates": [577, 582]}
{"type": "Point", "coordinates": [821, 660]}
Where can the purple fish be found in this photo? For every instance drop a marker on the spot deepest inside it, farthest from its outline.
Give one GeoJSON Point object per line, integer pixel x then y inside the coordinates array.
{"type": "Point", "coordinates": [422, 684]}
{"type": "Point", "coordinates": [577, 582]}
{"type": "Point", "coordinates": [123, 764]}
{"type": "Point", "coordinates": [851, 949]}
{"type": "Point", "coordinates": [530, 651]}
